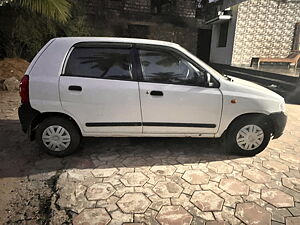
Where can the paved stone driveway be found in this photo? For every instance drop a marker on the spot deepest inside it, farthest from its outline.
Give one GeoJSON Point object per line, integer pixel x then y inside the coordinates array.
{"type": "Point", "coordinates": [181, 181]}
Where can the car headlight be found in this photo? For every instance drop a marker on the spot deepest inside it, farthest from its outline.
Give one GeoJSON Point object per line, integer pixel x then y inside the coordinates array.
{"type": "Point", "coordinates": [282, 107]}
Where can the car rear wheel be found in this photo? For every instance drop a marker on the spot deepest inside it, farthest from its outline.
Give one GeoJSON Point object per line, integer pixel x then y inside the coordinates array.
{"type": "Point", "coordinates": [248, 136]}
{"type": "Point", "coordinates": [58, 136]}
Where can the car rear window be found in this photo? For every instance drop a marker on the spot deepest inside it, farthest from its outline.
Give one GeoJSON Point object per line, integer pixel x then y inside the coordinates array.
{"type": "Point", "coordinates": [105, 63]}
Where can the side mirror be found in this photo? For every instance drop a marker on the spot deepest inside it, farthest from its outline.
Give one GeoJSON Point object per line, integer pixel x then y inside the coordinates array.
{"type": "Point", "coordinates": [208, 77]}
{"type": "Point", "coordinates": [209, 80]}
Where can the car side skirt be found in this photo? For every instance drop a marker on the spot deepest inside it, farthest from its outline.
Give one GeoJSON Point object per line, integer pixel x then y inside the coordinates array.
{"type": "Point", "coordinates": [148, 135]}
{"type": "Point", "coordinates": [153, 124]}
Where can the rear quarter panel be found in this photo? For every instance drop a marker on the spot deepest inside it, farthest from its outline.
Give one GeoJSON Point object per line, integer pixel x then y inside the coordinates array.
{"type": "Point", "coordinates": [44, 77]}
{"type": "Point", "coordinates": [44, 73]}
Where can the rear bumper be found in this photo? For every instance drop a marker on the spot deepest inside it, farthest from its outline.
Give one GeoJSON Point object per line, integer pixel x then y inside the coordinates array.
{"type": "Point", "coordinates": [278, 121]}
{"type": "Point", "coordinates": [26, 116]}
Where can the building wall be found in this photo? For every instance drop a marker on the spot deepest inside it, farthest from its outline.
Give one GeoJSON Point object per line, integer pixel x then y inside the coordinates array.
{"type": "Point", "coordinates": [186, 8]}
{"type": "Point", "coordinates": [142, 6]}
{"type": "Point", "coordinates": [229, 3]}
{"type": "Point", "coordinates": [265, 28]}
{"type": "Point", "coordinates": [133, 18]}
{"type": "Point", "coordinates": [223, 55]}
{"type": "Point", "coordinates": [182, 8]}
{"type": "Point", "coordinates": [186, 37]}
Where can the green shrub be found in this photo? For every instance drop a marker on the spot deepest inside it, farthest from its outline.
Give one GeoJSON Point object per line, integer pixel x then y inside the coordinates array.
{"type": "Point", "coordinates": [23, 33]}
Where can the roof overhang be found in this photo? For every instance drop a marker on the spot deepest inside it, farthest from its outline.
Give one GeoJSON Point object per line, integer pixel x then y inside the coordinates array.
{"type": "Point", "coordinates": [219, 19]}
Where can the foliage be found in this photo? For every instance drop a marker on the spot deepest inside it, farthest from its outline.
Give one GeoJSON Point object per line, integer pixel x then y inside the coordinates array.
{"type": "Point", "coordinates": [77, 25]}
{"type": "Point", "coordinates": [27, 35]}
{"type": "Point", "coordinates": [54, 9]}
{"type": "Point", "coordinates": [22, 34]}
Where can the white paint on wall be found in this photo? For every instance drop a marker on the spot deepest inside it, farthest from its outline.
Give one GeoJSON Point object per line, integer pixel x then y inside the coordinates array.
{"type": "Point", "coordinates": [223, 55]}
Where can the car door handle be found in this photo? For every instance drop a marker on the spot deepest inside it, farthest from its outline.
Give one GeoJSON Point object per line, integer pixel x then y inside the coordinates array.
{"type": "Point", "coordinates": [75, 88]}
{"type": "Point", "coordinates": [156, 93]}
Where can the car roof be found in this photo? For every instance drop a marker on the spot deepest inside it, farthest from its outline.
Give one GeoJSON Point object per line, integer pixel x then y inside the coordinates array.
{"type": "Point", "coordinates": [117, 40]}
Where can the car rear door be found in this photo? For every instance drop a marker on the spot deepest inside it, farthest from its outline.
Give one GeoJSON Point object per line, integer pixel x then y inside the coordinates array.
{"type": "Point", "coordinates": [174, 96]}
{"type": "Point", "coordinates": [99, 89]}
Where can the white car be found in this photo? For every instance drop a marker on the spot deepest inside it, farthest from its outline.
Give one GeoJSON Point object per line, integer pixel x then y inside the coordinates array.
{"type": "Point", "coordinates": [123, 87]}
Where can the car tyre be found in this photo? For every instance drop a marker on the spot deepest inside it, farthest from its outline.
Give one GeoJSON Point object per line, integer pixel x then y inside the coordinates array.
{"type": "Point", "coordinates": [58, 136]}
{"type": "Point", "coordinates": [248, 136]}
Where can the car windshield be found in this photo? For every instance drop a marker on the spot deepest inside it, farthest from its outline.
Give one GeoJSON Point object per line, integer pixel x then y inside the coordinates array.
{"type": "Point", "coordinates": [212, 71]}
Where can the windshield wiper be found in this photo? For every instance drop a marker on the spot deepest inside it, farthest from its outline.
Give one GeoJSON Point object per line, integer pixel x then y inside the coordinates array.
{"type": "Point", "coordinates": [227, 77]}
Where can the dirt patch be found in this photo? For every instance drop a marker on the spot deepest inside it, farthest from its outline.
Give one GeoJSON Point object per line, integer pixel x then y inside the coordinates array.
{"type": "Point", "coordinates": [13, 67]}
{"type": "Point", "coordinates": [9, 103]}
{"type": "Point", "coordinates": [27, 184]}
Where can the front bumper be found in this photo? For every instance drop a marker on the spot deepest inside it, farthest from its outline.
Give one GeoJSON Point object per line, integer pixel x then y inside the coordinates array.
{"type": "Point", "coordinates": [26, 116]}
{"type": "Point", "coordinates": [278, 121]}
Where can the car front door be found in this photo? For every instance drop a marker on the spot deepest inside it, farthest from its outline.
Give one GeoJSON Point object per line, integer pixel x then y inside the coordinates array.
{"type": "Point", "coordinates": [99, 89]}
{"type": "Point", "coordinates": [175, 97]}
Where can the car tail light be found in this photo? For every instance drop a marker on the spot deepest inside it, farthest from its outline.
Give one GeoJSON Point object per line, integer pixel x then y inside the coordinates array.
{"type": "Point", "coordinates": [24, 89]}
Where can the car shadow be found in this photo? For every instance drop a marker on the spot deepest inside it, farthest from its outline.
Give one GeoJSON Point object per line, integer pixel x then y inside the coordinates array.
{"type": "Point", "coordinates": [20, 157]}
{"type": "Point", "coordinates": [293, 97]}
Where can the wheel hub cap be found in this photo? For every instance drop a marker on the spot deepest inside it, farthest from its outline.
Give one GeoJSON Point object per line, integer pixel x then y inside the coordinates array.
{"type": "Point", "coordinates": [250, 137]}
{"type": "Point", "coordinates": [56, 138]}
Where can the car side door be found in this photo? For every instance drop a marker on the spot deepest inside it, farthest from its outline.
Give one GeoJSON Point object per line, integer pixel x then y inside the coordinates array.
{"type": "Point", "coordinates": [99, 89]}
{"type": "Point", "coordinates": [175, 95]}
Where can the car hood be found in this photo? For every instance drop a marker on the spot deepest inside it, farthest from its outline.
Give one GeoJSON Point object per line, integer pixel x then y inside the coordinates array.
{"type": "Point", "coordinates": [252, 88]}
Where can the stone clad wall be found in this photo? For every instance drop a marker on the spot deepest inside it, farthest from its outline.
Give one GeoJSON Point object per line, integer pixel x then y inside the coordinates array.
{"type": "Point", "coordinates": [113, 4]}
{"type": "Point", "coordinates": [133, 18]}
{"type": "Point", "coordinates": [186, 37]}
{"type": "Point", "coordinates": [186, 8]}
{"type": "Point", "coordinates": [183, 8]}
{"type": "Point", "coordinates": [265, 28]}
{"type": "Point", "coordinates": [143, 6]}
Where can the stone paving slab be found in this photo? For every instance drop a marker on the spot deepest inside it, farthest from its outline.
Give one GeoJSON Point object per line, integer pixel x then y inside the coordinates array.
{"type": "Point", "coordinates": [195, 177]}
{"type": "Point", "coordinates": [207, 201]}
{"type": "Point", "coordinates": [97, 216]}
{"type": "Point", "coordinates": [174, 215]}
{"type": "Point", "coordinates": [234, 187]}
{"type": "Point", "coordinates": [182, 181]}
{"type": "Point", "coordinates": [277, 198]}
{"type": "Point", "coordinates": [251, 213]}
{"type": "Point", "coordinates": [99, 191]}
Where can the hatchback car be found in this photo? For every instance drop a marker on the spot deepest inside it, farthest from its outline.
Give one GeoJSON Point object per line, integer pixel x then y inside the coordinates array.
{"type": "Point", "coordinates": [122, 87]}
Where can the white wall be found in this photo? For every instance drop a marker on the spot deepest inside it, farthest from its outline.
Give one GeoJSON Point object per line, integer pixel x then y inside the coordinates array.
{"type": "Point", "coordinates": [223, 55]}
{"type": "Point", "coordinates": [229, 3]}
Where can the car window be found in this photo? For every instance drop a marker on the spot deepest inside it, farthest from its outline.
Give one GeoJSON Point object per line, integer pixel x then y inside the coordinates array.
{"type": "Point", "coordinates": [165, 67]}
{"type": "Point", "coordinates": [106, 63]}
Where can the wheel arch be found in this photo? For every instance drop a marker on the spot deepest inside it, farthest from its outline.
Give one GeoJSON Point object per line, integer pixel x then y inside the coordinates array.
{"type": "Point", "coordinates": [42, 116]}
{"type": "Point", "coordinates": [259, 116]}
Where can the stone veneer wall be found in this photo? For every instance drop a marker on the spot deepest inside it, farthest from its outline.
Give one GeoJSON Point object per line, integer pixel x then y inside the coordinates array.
{"type": "Point", "coordinates": [265, 28]}
{"type": "Point", "coordinates": [142, 6]}
{"type": "Point", "coordinates": [186, 37]}
{"type": "Point", "coordinates": [118, 23]}
{"type": "Point", "coordinates": [186, 8]}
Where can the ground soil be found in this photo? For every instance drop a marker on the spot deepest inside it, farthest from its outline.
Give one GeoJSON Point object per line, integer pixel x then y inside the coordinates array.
{"type": "Point", "coordinates": [25, 194]}
{"type": "Point", "coordinates": [13, 67]}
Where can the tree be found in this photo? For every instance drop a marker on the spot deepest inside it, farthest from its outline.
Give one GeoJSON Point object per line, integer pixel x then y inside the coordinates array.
{"type": "Point", "coordinates": [58, 10]}
{"type": "Point", "coordinates": [23, 32]}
